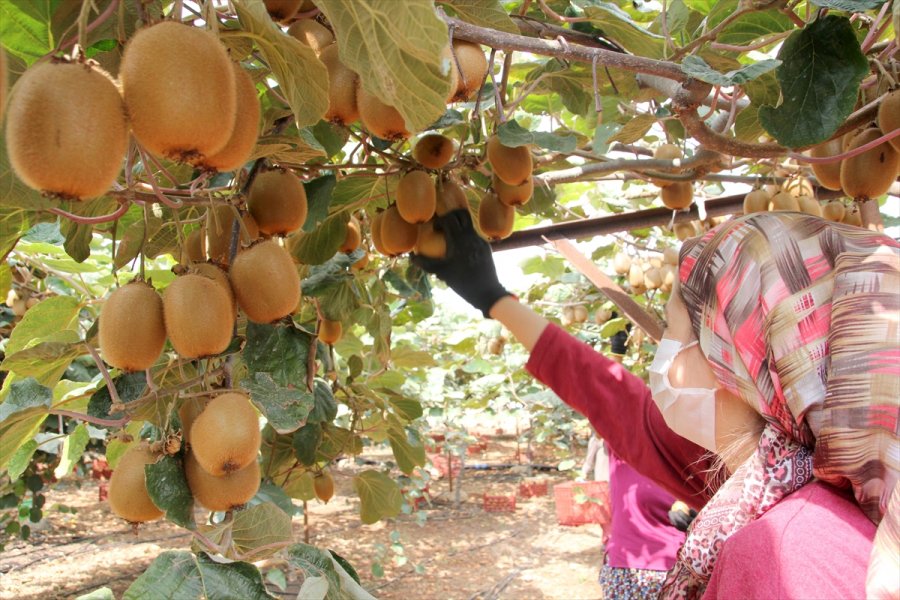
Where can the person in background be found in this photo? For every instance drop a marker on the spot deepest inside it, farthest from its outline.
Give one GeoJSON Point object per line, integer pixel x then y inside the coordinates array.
{"type": "Point", "coordinates": [773, 406]}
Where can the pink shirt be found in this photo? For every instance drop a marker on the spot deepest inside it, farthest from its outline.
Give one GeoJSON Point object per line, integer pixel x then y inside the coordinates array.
{"type": "Point", "coordinates": [813, 544]}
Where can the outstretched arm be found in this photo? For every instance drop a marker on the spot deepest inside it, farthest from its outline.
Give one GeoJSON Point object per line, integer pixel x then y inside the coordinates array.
{"type": "Point", "coordinates": [525, 324]}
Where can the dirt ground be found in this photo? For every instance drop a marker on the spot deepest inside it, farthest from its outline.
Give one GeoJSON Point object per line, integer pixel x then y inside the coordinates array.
{"type": "Point", "coordinates": [463, 553]}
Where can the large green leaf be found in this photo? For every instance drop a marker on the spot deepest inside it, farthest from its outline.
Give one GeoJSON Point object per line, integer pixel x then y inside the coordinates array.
{"type": "Point", "coordinates": [79, 236]}
{"type": "Point", "coordinates": [168, 488]}
{"type": "Point", "coordinates": [619, 27]}
{"type": "Point", "coordinates": [21, 459]}
{"type": "Point", "coordinates": [316, 563]}
{"type": "Point", "coordinates": [72, 449]}
{"type": "Point", "coordinates": [25, 27]}
{"type": "Point", "coordinates": [23, 395]}
{"type": "Point", "coordinates": [696, 67]}
{"type": "Point", "coordinates": [280, 350]}
{"type": "Point", "coordinates": [13, 223]}
{"type": "Point", "coordinates": [484, 13]}
{"type": "Point", "coordinates": [755, 25]}
{"type": "Point", "coordinates": [362, 190]}
{"type": "Point", "coordinates": [849, 5]}
{"type": "Point", "coordinates": [340, 300]}
{"type": "Point", "coordinates": [512, 134]}
{"type": "Point", "coordinates": [379, 496]}
{"type": "Point", "coordinates": [24, 407]}
{"type": "Point", "coordinates": [325, 409]}
{"type": "Point", "coordinates": [47, 318]}
{"type": "Point", "coordinates": [330, 274]}
{"type": "Point", "coordinates": [46, 361]}
{"type": "Point", "coordinates": [129, 387]}
{"type": "Point", "coordinates": [397, 51]}
{"type": "Point", "coordinates": [822, 66]}
{"type": "Point", "coordinates": [407, 448]}
{"type": "Point", "coordinates": [317, 247]}
{"type": "Point", "coordinates": [260, 531]}
{"type": "Point", "coordinates": [306, 443]}
{"type": "Point", "coordinates": [285, 408]}
{"type": "Point", "coordinates": [181, 575]}
{"type": "Point", "coordinates": [319, 192]}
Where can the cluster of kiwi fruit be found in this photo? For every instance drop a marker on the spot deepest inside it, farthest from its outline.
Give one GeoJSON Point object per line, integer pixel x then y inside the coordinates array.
{"type": "Point", "coordinates": [20, 301]}
{"type": "Point", "coordinates": [797, 194]}
{"type": "Point", "coordinates": [69, 121]}
{"type": "Point", "coordinates": [676, 195]}
{"type": "Point", "coordinates": [643, 274]}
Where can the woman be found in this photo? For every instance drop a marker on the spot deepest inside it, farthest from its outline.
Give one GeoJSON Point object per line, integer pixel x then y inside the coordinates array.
{"type": "Point", "coordinates": [779, 366]}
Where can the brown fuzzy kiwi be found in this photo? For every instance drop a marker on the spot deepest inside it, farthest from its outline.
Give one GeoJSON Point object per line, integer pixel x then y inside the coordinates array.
{"type": "Point", "coordinates": [834, 211]}
{"type": "Point", "coordinates": [354, 236]}
{"type": "Point", "coordinates": [684, 231]}
{"type": "Point", "coordinates": [217, 274]}
{"type": "Point", "coordinates": [343, 84]}
{"type": "Point", "coordinates": [757, 201]}
{"type": "Point", "coordinates": [809, 205]}
{"type": "Point", "coordinates": [375, 231]}
{"type": "Point", "coordinates": [67, 131]}
{"type": "Point", "coordinates": [430, 242]}
{"type": "Point", "coordinates": [132, 329]}
{"type": "Point", "coordinates": [243, 138]}
{"type": "Point", "coordinates": [3, 82]}
{"type": "Point", "coordinates": [362, 263]}
{"type": "Point", "coordinates": [495, 219]}
{"type": "Point", "coordinates": [635, 275]}
{"type": "Point", "coordinates": [199, 316]}
{"type": "Point", "coordinates": [282, 10]}
{"type": "Point", "coordinates": [472, 68]}
{"type": "Point", "coordinates": [512, 165]}
{"type": "Point", "coordinates": [330, 332]}
{"type": "Point", "coordinates": [870, 174]}
{"type": "Point", "coordinates": [265, 282]}
{"type": "Point", "coordinates": [448, 197]}
{"type": "Point", "coordinates": [784, 201]}
{"type": "Point", "coordinates": [798, 186]}
{"type": "Point", "coordinates": [219, 223]}
{"type": "Point", "coordinates": [194, 249]}
{"type": "Point", "coordinates": [188, 412]}
{"type": "Point", "coordinates": [889, 116]}
{"type": "Point", "coordinates": [277, 202]}
{"type": "Point", "coordinates": [416, 197]}
{"type": "Point", "coordinates": [677, 196]}
{"type": "Point", "coordinates": [128, 496]}
{"type": "Point", "coordinates": [323, 484]}
{"type": "Point", "coordinates": [180, 91]}
{"type": "Point", "coordinates": [225, 436]}
{"type": "Point", "coordinates": [312, 33]}
{"type": "Point", "coordinates": [434, 151]}
{"type": "Point", "coordinates": [670, 256]}
{"type": "Point", "coordinates": [828, 174]}
{"type": "Point", "coordinates": [665, 152]}
{"type": "Point", "coordinates": [621, 263]}
{"type": "Point", "coordinates": [513, 195]}
{"type": "Point", "coordinates": [397, 234]}
{"type": "Point", "coordinates": [223, 493]}
{"type": "Point", "coordinates": [380, 119]}
{"type": "Point", "coordinates": [852, 216]}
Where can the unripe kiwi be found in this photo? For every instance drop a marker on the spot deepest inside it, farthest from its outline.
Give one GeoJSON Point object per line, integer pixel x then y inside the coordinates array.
{"type": "Point", "coordinates": [277, 202]}
{"type": "Point", "coordinates": [375, 231]}
{"type": "Point", "coordinates": [330, 332]}
{"type": "Point", "coordinates": [635, 275]}
{"type": "Point", "coordinates": [265, 282]}
{"type": "Point", "coordinates": [132, 329]}
{"type": "Point", "coordinates": [128, 496]}
{"type": "Point", "coordinates": [380, 119]}
{"type": "Point", "coordinates": [431, 243]}
{"type": "Point", "coordinates": [282, 10]}
{"type": "Point", "coordinates": [188, 412]}
{"type": "Point", "coordinates": [665, 152]}
{"type": "Point", "coordinates": [870, 174]}
{"type": "Point", "coordinates": [513, 195]}
{"type": "Point", "coordinates": [67, 131]}
{"type": "Point", "coordinates": [684, 230]}
{"type": "Point", "coordinates": [495, 219]}
{"type": "Point", "coordinates": [397, 234]}
{"type": "Point", "coordinates": [343, 83]}
{"type": "Point", "coordinates": [621, 263]}
{"type": "Point", "coordinates": [512, 165]}
{"type": "Point", "coordinates": [757, 201]}
{"type": "Point", "coordinates": [323, 484]}
{"type": "Point", "coordinates": [353, 238]}
{"type": "Point", "coordinates": [225, 436]}
{"type": "Point", "coordinates": [472, 68]}
{"type": "Point", "coordinates": [180, 91]}
{"type": "Point", "coordinates": [677, 196]}
{"type": "Point", "coordinates": [199, 316]}
{"type": "Point", "coordinates": [434, 150]}
{"type": "Point", "coordinates": [221, 493]}
{"type": "Point", "coordinates": [312, 33]}
{"type": "Point", "coordinates": [449, 197]}
{"type": "Point", "coordinates": [218, 275]}
{"type": "Point", "coordinates": [809, 205]}
{"type": "Point", "coordinates": [828, 174]}
{"type": "Point", "coordinates": [784, 201]}
{"type": "Point", "coordinates": [219, 223]}
{"type": "Point", "coordinates": [194, 246]}
{"type": "Point", "coordinates": [416, 197]}
{"type": "Point", "coordinates": [889, 116]}
{"type": "Point", "coordinates": [798, 186]}
{"type": "Point", "coordinates": [239, 146]}
{"type": "Point", "coordinates": [834, 211]}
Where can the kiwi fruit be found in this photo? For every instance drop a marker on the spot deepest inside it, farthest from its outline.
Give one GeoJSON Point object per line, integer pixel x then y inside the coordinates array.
{"type": "Point", "coordinates": [756, 201]}
{"type": "Point", "coordinates": [362, 263]}
{"type": "Point", "coordinates": [434, 151]}
{"type": "Point", "coordinates": [567, 316]}
{"type": "Point", "coordinates": [265, 282]}
{"type": "Point", "coordinates": [323, 484]}
{"type": "Point", "coordinates": [311, 33]}
{"type": "Point", "coordinates": [888, 116]}
{"type": "Point", "coordinates": [330, 331]}
{"type": "Point", "coordinates": [224, 493]}
{"type": "Point", "coordinates": [188, 412]}
{"type": "Point", "coordinates": [798, 186]}
{"type": "Point", "coordinates": [684, 231]}
{"type": "Point", "coordinates": [132, 329]}
{"type": "Point", "coordinates": [665, 152]}
{"type": "Point", "coordinates": [67, 131]}
{"type": "Point", "coordinates": [809, 205]}
{"type": "Point", "coordinates": [472, 68]}
{"type": "Point", "coordinates": [375, 230]}
{"type": "Point", "coordinates": [870, 174]}
{"type": "Point", "coordinates": [380, 120]}
{"type": "Point", "coordinates": [579, 313]}
{"type": "Point", "coordinates": [199, 316]}
{"type": "Point", "coordinates": [513, 195]}
{"type": "Point", "coordinates": [430, 242]}
{"type": "Point", "coordinates": [784, 201]}
{"type": "Point", "coordinates": [282, 10]}
{"type": "Point", "coordinates": [495, 219]}
{"type": "Point", "coordinates": [239, 146]}
{"type": "Point", "coordinates": [343, 83]}
{"type": "Point", "coordinates": [852, 216]}
{"type": "Point", "coordinates": [179, 91]}
{"type": "Point", "coordinates": [277, 201]}
{"type": "Point", "coordinates": [512, 165]}
{"type": "Point", "coordinates": [3, 82]}
{"type": "Point", "coordinates": [834, 211]}
{"type": "Point", "coordinates": [225, 436]}
{"type": "Point", "coordinates": [602, 315]}
{"type": "Point", "coordinates": [218, 275]}
{"type": "Point", "coordinates": [128, 496]}
{"type": "Point", "coordinates": [635, 274]}
{"type": "Point", "coordinates": [653, 278]}
{"type": "Point", "coordinates": [219, 224]}
{"type": "Point", "coordinates": [621, 263]}
{"type": "Point", "coordinates": [353, 238]}
{"type": "Point", "coordinates": [416, 197]}
{"type": "Point", "coordinates": [397, 234]}
{"type": "Point", "coordinates": [678, 195]}
{"type": "Point", "coordinates": [449, 197]}
{"type": "Point", "coordinates": [194, 249]}
{"type": "Point", "coordinates": [668, 276]}
{"type": "Point", "coordinates": [670, 256]}
{"type": "Point", "coordinates": [828, 174]}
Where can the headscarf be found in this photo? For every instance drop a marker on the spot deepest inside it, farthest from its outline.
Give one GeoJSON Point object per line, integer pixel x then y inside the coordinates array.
{"type": "Point", "coordinates": [798, 317]}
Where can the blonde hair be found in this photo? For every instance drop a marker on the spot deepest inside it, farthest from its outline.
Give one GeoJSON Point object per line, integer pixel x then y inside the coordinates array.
{"type": "Point", "coordinates": [741, 445]}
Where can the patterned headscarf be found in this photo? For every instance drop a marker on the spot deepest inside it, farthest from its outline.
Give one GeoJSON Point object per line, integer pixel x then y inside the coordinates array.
{"type": "Point", "coordinates": [798, 317]}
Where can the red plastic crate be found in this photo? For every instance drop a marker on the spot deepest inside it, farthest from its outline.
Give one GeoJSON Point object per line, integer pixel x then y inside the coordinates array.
{"type": "Point", "coordinates": [443, 466]}
{"type": "Point", "coordinates": [476, 448]}
{"type": "Point", "coordinates": [594, 510]}
{"type": "Point", "coordinates": [498, 503]}
{"type": "Point", "coordinates": [532, 489]}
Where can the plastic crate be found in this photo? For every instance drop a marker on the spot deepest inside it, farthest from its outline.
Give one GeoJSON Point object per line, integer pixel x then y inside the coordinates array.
{"type": "Point", "coordinates": [594, 510]}
{"type": "Point", "coordinates": [477, 448]}
{"type": "Point", "coordinates": [533, 489]}
{"type": "Point", "coordinates": [498, 503]}
{"type": "Point", "coordinates": [443, 466]}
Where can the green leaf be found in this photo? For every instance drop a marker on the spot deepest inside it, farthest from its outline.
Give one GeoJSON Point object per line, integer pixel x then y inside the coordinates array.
{"type": "Point", "coordinates": [13, 223]}
{"type": "Point", "coordinates": [46, 362]}
{"type": "Point", "coordinates": [78, 236]}
{"type": "Point", "coordinates": [129, 387]}
{"type": "Point", "coordinates": [701, 6]}
{"type": "Point", "coordinates": [181, 575]}
{"type": "Point", "coordinates": [379, 496]}
{"type": "Point", "coordinates": [72, 449]}
{"type": "Point", "coordinates": [337, 441]}
{"type": "Point", "coordinates": [168, 488]}
{"type": "Point", "coordinates": [314, 562]}
{"type": "Point", "coordinates": [331, 137]}
{"type": "Point", "coordinates": [849, 5]}
{"type": "Point", "coordinates": [408, 409]}
{"type": "Point", "coordinates": [58, 313]}
{"type": "Point", "coordinates": [340, 301]}
{"type": "Point", "coordinates": [618, 26]}
{"type": "Point", "coordinates": [325, 409]}
{"type": "Point", "coordinates": [512, 134]}
{"type": "Point", "coordinates": [397, 53]}
{"type": "Point", "coordinates": [103, 593]}
{"type": "Point", "coordinates": [345, 564]}
{"type": "Point", "coordinates": [822, 66]}
{"type": "Point", "coordinates": [484, 13]}
{"type": "Point", "coordinates": [317, 247]}
{"type": "Point", "coordinates": [634, 129]}
{"type": "Point", "coordinates": [23, 395]}
{"type": "Point", "coordinates": [407, 357]}
{"type": "Point", "coordinates": [407, 448]}
{"type": "Point", "coordinates": [696, 67]}
{"type": "Point", "coordinates": [306, 442]}
{"type": "Point", "coordinates": [269, 493]}
{"type": "Point", "coordinates": [300, 486]}
{"type": "Point", "coordinates": [25, 28]}
{"type": "Point", "coordinates": [280, 350]}
{"type": "Point", "coordinates": [285, 409]}
{"type": "Point", "coordinates": [361, 190]}
{"type": "Point", "coordinates": [752, 26]}
{"type": "Point", "coordinates": [319, 192]}
{"type": "Point", "coordinates": [20, 460]}
{"type": "Point", "coordinates": [133, 239]}
{"type": "Point", "coordinates": [301, 76]}
{"type": "Point", "coordinates": [258, 526]}
{"type": "Point", "coordinates": [747, 126]}
{"type": "Point", "coordinates": [329, 274]}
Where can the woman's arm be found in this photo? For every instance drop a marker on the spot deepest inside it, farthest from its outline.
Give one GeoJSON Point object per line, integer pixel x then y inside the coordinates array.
{"type": "Point", "coordinates": [525, 324]}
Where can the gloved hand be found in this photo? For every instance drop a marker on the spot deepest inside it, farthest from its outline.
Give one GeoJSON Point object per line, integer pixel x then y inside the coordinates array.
{"type": "Point", "coordinates": [681, 516]}
{"type": "Point", "coordinates": [468, 267]}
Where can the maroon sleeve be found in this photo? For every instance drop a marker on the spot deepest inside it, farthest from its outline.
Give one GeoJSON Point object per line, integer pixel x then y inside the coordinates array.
{"type": "Point", "coordinates": [619, 407]}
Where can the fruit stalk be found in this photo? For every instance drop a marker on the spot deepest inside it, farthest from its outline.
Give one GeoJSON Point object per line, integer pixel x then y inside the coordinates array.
{"type": "Point", "coordinates": [849, 154]}
{"type": "Point", "coordinates": [123, 208]}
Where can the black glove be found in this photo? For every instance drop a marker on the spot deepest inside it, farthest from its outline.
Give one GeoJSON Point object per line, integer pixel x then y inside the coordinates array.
{"type": "Point", "coordinates": [682, 519]}
{"type": "Point", "coordinates": [468, 268]}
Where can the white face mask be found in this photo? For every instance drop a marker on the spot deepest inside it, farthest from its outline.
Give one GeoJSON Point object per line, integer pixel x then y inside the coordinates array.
{"type": "Point", "coordinates": [689, 412]}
